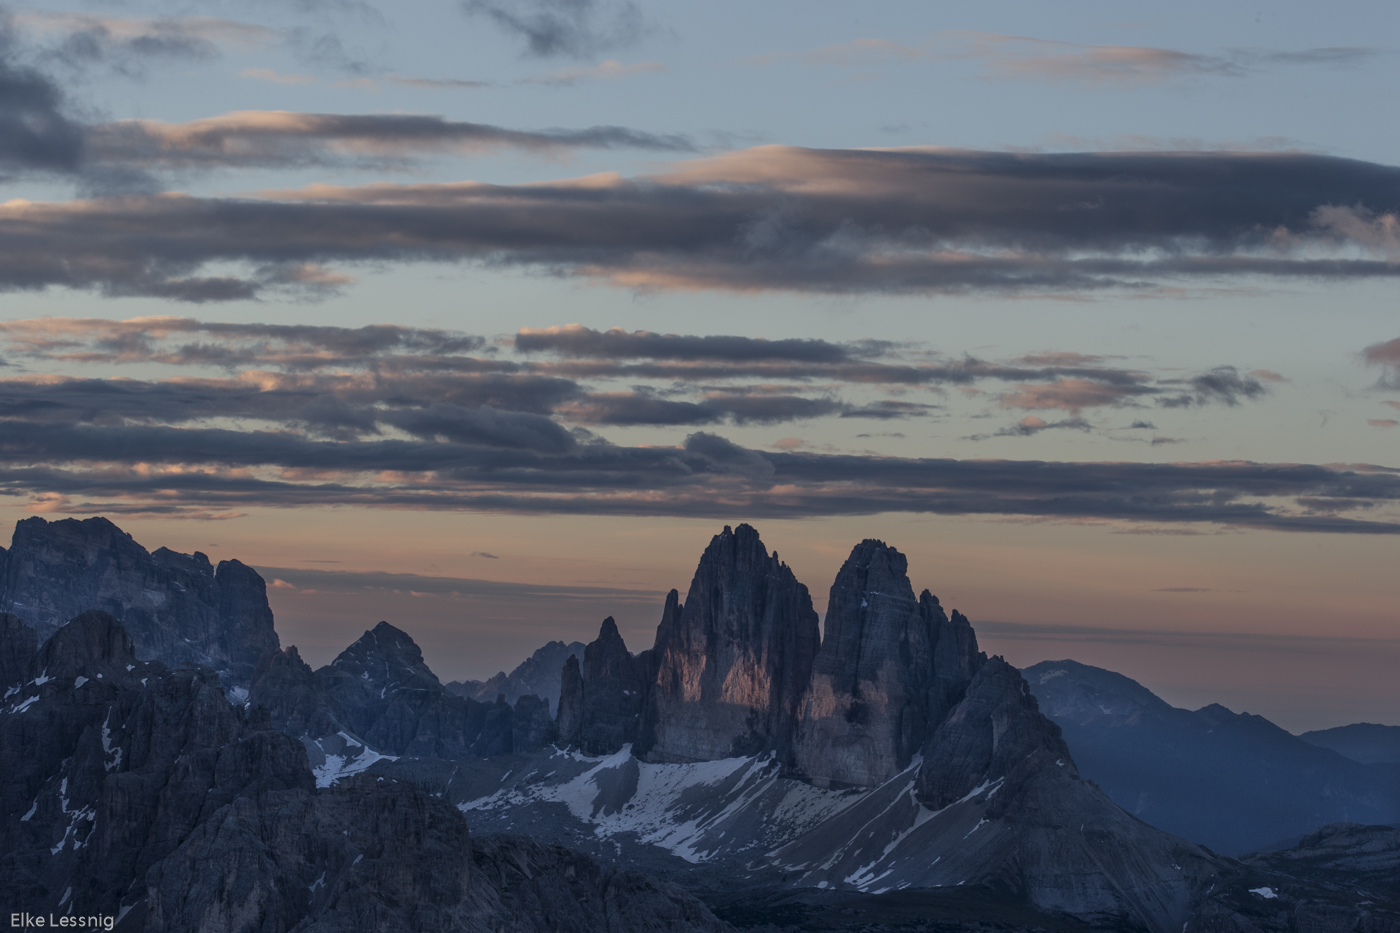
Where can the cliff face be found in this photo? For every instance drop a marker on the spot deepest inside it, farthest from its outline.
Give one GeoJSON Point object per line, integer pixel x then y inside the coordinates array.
{"type": "Point", "coordinates": [140, 792]}
{"type": "Point", "coordinates": [732, 664]}
{"type": "Point", "coordinates": [176, 607]}
{"type": "Point", "coordinates": [614, 690]}
{"type": "Point", "coordinates": [889, 668]}
{"type": "Point", "coordinates": [996, 731]}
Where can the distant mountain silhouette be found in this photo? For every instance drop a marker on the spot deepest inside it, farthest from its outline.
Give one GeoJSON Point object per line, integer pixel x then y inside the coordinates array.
{"type": "Point", "coordinates": [1231, 781]}
{"type": "Point", "coordinates": [1360, 741]}
{"type": "Point", "coordinates": [537, 675]}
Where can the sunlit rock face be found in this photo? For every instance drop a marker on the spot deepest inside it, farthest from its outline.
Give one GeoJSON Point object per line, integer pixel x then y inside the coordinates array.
{"type": "Point", "coordinates": [733, 663]}
{"type": "Point", "coordinates": [865, 711]}
{"type": "Point", "coordinates": [890, 667]}
{"type": "Point", "coordinates": [177, 607]}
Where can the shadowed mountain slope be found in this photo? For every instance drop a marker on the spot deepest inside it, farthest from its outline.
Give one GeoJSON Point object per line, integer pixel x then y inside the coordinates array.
{"type": "Point", "coordinates": [139, 791]}
{"type": "Point", "coordinates": [1231, 781]}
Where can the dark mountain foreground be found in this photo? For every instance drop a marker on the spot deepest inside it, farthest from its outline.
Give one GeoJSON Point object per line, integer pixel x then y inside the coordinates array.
{"type": "Point", "coordinates": [1230, 781]}
{"type": "Point", "coordinates": [138, 791]}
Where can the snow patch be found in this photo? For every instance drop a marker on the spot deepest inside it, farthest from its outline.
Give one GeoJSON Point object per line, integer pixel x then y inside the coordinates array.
{"type": "Point", "coordinates": [1051, 675]}
{"type": "Point", "coordinates": [1267, 894]}
{"type": "Point", "coordinates": [26, 704]}
{"type": "Point", "coordinates": [79, 682]}
{"type": "Point", "coordinates": [339, 756]}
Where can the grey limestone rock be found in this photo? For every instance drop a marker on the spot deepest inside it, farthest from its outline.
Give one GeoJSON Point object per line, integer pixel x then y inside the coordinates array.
{"type": "Point", "coordinates": [614, 690]}
{"type": "Point", "coordinates": [177, 608]}
{"type": "Point", "coordinates": [889, 669]}
{"type": "Point", "coordinates": [733, 663]}
{"type": "Point", "coordinates": [995, 727]}
{"type": "Point", "coordinates": [570, 718]}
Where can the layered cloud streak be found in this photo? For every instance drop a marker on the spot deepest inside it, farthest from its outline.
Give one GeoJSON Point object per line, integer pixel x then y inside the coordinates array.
{"type": "Point", "coordinates": [773, 218]}
{"type": "Point", "coordinates": [399, 417]}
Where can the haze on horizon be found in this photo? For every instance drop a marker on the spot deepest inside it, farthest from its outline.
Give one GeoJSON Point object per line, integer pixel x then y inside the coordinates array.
{"type": "Point", "coordinates": [1089, 312]}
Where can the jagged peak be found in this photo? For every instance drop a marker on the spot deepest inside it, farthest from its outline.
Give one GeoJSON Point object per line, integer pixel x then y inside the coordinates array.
{"type": "Point", "coordinates": [609, 630]}
{"type": "Point", "coordinates": [872, 550]}
{"type": "Point", "coordinates": [384, 649]}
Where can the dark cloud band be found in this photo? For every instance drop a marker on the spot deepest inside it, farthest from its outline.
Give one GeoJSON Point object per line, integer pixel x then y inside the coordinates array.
{"type": "Point", "coordinates": [772, 218]}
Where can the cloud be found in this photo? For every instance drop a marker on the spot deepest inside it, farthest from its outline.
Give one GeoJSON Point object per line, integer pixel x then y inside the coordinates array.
{"type": "Point", "coordinates": [1387, 355]}
{"type": "Point", "coordinates": [277, 138]}
{"type": "Point", "coordinates": [155, 469]}
{"type": "Point", "coordinates": [438, 84]}
{"type": "Point", "coordinates": [773, 218]}
{"type": "Point", "coordinates": [575, 340]}
{"type": "Point", "coordinates": [1382, 422]}
{"type": "Point", "coordinates": [350, 581]}
{"type": "Point", "coordinates": [1026, 58]}
{"type": "Point", "coordinates": [349, 382]}
{"type": "Point", "coordinates": [36, 132]}
{"type": "Point", "coordinates": [412, 418]}
{"type": "Point", "coordinates": [1223, 384]}
{"type": "Point", "coordinates": [126, 46]}
{"type": "Point", "coordinates": [1031, 425]}
{"type": "Point", "coordinates": [565, 28]}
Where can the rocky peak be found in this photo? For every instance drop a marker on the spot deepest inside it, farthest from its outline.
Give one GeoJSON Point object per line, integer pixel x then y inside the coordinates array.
{"type": "Point", "coordinates": [177, 608]}
{"type": "Point", "coordinates": [866, 711]}
{"type": "Point", "coordinates": [614, 689]}
{"type": "Point", "coordinates": [995, 729]}
{"type": "Point", "coordinates": [731, 665]}
{"type": "Point", "coordinates": [386, 657]}
{"type": "Point", "coordinates": [571, 699]}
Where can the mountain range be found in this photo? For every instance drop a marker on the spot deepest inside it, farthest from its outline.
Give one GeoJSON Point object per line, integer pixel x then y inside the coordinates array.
{"type": "Point", "coordinates": [1231, 781]}
{"type": "Point", "coordinates": [790, 777]}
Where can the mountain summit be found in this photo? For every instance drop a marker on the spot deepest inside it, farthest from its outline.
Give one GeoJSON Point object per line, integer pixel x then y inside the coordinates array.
{"type": "Point", "coordinates": [733, 662]}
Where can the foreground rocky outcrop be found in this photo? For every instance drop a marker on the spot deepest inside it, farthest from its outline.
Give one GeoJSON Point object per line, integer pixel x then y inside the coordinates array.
{"type": "Point", "coordinates": [138, 791]}
{"type": "Point", "coordinates": [177, 608]}
{"type": "Point", "coordinates": [1340, 878]}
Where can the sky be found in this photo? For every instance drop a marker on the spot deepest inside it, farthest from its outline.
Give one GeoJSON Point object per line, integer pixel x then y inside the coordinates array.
{"type": "Point", "coordinates": [483, 317]}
